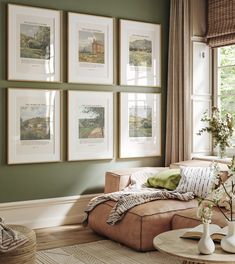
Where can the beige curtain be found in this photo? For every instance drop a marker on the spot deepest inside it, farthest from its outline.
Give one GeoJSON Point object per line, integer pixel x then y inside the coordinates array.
{"type": "Point", "coordinates": [178, 139]}
{"type": "Point", "coordinates": [221, 23]}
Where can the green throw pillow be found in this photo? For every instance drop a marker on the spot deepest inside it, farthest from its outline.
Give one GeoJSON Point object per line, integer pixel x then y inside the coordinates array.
{"type": "Point", "coordinates": [167, 179]}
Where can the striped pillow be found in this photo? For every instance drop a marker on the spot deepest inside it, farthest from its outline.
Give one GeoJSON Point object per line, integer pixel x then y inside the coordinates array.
{"type": "Point", "coordinates": [195, 179]}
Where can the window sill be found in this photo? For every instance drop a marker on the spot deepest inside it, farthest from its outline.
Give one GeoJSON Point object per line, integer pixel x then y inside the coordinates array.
{"type": "Point", "coordinates": [213, 158]}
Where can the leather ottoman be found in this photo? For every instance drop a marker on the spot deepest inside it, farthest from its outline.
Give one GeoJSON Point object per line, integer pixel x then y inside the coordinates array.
{"type": "Point", "coordinates": [143, 222]}
{"type": "Point", "coordinates": [140, 224]}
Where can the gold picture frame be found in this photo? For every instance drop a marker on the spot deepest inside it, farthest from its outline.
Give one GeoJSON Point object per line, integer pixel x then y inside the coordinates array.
{"type": "Point", "coordinates": [140, 125]}
{"type": "Point", "coordinates": [90, 125]}
{"type": "Point", "coordinates": [34, 44]}
{"type": "Point", "coordinates": [140, 53]}
{"type": "Point", "coordinates": [90, 49]}
{"type": "Point", "coordinates": [34, 125]}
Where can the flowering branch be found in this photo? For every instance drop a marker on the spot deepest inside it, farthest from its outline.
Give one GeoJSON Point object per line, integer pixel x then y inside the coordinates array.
{"type": "Point", "coordinates": [222, 184]}
{"type": "Point", "coordinates": [214, 203]}
{"type": "Point", "coordinates": [225, 192]}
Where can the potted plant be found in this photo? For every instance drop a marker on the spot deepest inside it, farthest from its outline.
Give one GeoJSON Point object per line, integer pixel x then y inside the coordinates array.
{"type": "Point", "coordinates": [221, 129]}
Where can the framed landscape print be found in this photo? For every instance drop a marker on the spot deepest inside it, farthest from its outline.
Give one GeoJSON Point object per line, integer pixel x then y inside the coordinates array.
{"type": "Point", "coordinates": [34, 44]}
{"type": "Point", "coordinates": [140, 125]}
{"type": "Point", "coordinates": [140, 53]}
{"type": "Point", "coordinates": [90, 49]}
{"type": "Point", "coordinates": [90, 124]}
{"type": "Point", "coordinates": [33, 126]}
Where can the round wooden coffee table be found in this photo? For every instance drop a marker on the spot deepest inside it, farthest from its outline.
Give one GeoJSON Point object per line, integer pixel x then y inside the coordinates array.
{"type": "Point", "coordinates": [186, 249]}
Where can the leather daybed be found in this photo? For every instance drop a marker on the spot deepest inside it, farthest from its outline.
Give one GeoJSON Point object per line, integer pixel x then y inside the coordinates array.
{"type": "Point", "coordinates": [143, 222]}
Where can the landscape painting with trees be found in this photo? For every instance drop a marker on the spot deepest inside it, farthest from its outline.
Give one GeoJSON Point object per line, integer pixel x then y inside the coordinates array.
{"type": "Point", "coordinates": [91, 47]}
{"type": "Point", "coordinates": [34, 122]}
{"type": "Point", "coordinates": [34, 41]}
{"type": "Point", "coordinates": [140, 51]}
{"type": "Point", "coordinates": [91, 124]}
{"type": "Point", "coordinates": [140, 121]}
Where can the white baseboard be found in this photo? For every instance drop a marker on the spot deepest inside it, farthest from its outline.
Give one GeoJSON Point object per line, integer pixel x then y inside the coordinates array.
{"type": "Point", "coordinates": [46, 212]}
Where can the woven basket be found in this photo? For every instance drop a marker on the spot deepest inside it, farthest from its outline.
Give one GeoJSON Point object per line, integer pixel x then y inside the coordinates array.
{"type": "Point", "coordinates": [24, 254]}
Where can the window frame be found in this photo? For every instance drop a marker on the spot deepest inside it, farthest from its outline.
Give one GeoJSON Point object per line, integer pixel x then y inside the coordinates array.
{"type": "Point", "coordinates": [215, 94]}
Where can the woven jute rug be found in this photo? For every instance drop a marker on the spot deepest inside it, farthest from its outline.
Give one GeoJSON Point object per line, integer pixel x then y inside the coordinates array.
{"type": "Point", "coordinates": [101, 252]}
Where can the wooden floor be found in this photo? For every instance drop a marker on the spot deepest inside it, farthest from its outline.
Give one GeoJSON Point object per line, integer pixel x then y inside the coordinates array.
{"type": "Point", "coordinates": [62, 236]}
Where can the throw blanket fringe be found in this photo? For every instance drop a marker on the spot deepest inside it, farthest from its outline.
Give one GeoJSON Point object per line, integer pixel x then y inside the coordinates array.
{"type": "Point", "coordinates": [9, 238]}
{"type": "Point", "coordinates": [128, 199]}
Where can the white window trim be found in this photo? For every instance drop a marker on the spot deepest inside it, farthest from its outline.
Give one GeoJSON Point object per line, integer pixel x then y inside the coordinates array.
{"type": "Point", "coordinates": [231, 150]}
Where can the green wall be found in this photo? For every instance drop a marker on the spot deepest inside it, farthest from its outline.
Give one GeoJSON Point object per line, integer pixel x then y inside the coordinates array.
{"type": "Point", "coordinates": [36, 181]}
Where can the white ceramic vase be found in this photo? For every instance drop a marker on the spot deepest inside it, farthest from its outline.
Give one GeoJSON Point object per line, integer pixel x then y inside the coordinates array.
{"type": "Point", "coordinates": [206, 245]}
{"type": "Point", "coordinates": [222, 151]}
{"type": "Point", "coordinates": [228, 242]}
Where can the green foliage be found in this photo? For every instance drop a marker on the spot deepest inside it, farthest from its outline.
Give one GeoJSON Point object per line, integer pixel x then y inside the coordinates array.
{"type": "Point", "coordinates": [140, 52]}
{"type": "Point", "coordinates": [37, 128]}
{"type": "Point", "coordinates": [91, 131]}
{"type": "Point", "coordinates": [91, 58]}
{"type": "Point", "coordinates": [222, 190]}
{"type": "Point", "coordinates": [140, 126]}
{"type": "Point", "coordinates": [92, 127]}
{"type": "Point", "coordinates": [220, 127]}
{"type": "Point", "coordinates": [140, 58]}
{"type": "Point", "coordinates": [31, 53]}
{"type": "Point", "coordinates": [140, 45]}
{"type": "Point", "coordinates": [43, 37]}
{"type": "Point", "coordinates": [227, 56]}
{"type": "Point", "coordinates": [36, 47]}
{"type": "Point", "coordinates": [226, 80]}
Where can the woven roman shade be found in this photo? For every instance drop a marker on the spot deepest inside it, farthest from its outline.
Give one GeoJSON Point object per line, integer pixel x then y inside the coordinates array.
{"type": "Point", "coordinates": [221, 23]}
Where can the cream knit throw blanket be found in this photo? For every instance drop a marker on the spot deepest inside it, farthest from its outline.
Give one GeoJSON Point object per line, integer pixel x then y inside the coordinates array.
{"type": "Point", "coordinates": [9, 238]}
{"type": "Point", "coordinates": [134, 195]}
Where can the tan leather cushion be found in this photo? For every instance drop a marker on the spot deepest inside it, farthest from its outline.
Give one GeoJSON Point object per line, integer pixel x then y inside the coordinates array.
{"type": "Point", "coordinates": [189, 219]}
{"type": "Point", "coordinates": [119, 179]}
{"type": "Point", "coordinates": [140, 224]}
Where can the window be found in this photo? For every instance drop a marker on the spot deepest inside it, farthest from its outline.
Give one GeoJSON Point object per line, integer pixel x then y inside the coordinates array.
{"type": "Point", "coordinates": [225, 81]}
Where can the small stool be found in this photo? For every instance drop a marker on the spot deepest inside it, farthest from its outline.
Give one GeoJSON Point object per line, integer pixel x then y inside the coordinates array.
{"type": "Point", "coordinates": [24, 254]}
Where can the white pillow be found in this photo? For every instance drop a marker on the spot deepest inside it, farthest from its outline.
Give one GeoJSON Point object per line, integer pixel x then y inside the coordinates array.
{"type": "Point", "coordinates": [198, 180]}
{"type": "Point", "coordinates": [141, 176]}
